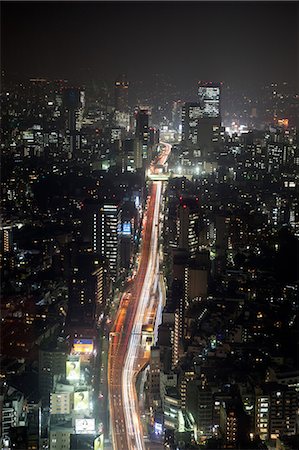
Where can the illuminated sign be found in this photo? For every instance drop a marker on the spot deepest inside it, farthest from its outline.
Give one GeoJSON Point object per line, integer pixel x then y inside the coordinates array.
{"type": "Point", "coordinates": [137, 201]}
{"type": "Point", "coordinates": [83, 346]}
{"type": "Point", "coordinates": [158, 428]}
{"type": "Point", "coordinates": [73, 370]}
{"type": "Point", "coordinates": [85, 426]}
{"type": "Point", "coordinates": [28, 136]}
{"type": "Point", "coordinates": [126, 229]}
{"type": "Point", "coordinates": [98, 443]}
{"type": "Point", "coordinates": [81, 400]}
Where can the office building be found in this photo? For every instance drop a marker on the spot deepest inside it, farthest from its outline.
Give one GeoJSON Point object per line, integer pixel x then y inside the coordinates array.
{"type": "Point", "coordinates": [188, 226]}
{"type": "Point", "coordinates": [12, 410]}
{"type": "Point", "coordinates": [51, 363]}
{"type": "Point", "coordinates": [196, 281]}
{"type": "Point", "coordinates": [154, 378]}
{"type": "Point", "coordinates": [106, 235]}
{"type": "Point", "coordinates": [191, 113]}
{"type": "Point", "coordinates": [86, 292]}
{"type": "Point", "coordinates": [60, 403]}
{"type": "Point", "coordinates": [138, 154]}
{"type": "Point", "coordinates": [276, 411]}
{"type": "Point", "coordinates": [71, 101]}
{"type": "Point", "coordinates": [234, 423]}
{"type": "Point", "coordinates": [209, 98]}
{"type": "Point", "coordinates": [199, 402]}
{"type": "Point", "coordinates": [142, 132]}
{"type": "Point", "coordinates": [209, 134]}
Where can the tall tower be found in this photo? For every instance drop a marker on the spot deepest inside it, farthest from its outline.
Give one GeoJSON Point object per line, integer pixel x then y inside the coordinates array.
{"type": "Point", "coordinates": [142, 131]}
{"type": "Point", "coordinates": [71, 100]}
{"type": "Point", "coordinates": [191, 113]}
{"type": "Point", "coordinates": [209, 123]}
{"type": "Point", "coordinates": [106, 235]}
{"type": "Point", "coordinates": [188, 226]}
{"type": "Point", "coordinates": [121, 94]}
{"type": "Point", "coordinates": [209, 99]}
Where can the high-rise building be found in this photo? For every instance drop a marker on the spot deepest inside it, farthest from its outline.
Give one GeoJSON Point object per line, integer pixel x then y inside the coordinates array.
{"type": "Point", "coordinates": [191, 113]}
{"type": "Point", "coordinates": [12, 410]}
{"type": "Point", "coordinates": [142, 131]}
{"type": "Point", "coordinates": [196, 281]}
{"type": "Point", "coordinates": [138, 154]}
{"type": "Point", "coordinates": [51, 362]}
{"type": "Point", "coordinates": [188, 226]}
{"type": "Point", "coordinates": [176, 114]}
{"type": "Point", "coordinates": [234, 423]}
{"type": "Point", "coordinates": [275, 411]}
{"type": "Point", "coordinates": [106, 235]}
{"type": "Point", "coordinates": [86, 292]}
{"type": "Point", "coordinates": [222, 228]}
{"type": "Point", "coordinates": [71, 100]}
{"type": "Point", "coordinates": [199, 402]}
{"type": "Point", "coordinates": [102, 231]}
{"type": "Point", "coordinates": [209, 124]}
{"type": "Point", "coordinates": [154, 378]}
{"type": "Point", "coordinates": [121, 94]}
{"type": "Point", "coordinates": [209, 98]}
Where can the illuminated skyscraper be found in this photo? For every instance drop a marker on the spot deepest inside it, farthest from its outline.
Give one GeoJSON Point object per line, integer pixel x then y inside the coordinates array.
{"type": "Point", "coordinates": [121, 93]}
{"type": "Point", "coordinates": [209, 124]}
{"type": "Point", "coordinates": [188, 226]}
{"type": "Point", "coordinates": [106, 235]}
{"type": "Point", "coordinates": [191, 113]}
{"type": "Point", "coordinates": [209, 98]}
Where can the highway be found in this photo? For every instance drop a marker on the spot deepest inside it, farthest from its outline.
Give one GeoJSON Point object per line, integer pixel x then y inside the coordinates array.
{"type": "Point", "coordinates": [126, 356]}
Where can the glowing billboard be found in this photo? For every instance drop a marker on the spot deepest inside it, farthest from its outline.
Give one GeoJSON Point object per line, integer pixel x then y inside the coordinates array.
{"type": "Point", "coordinates": [85, 426]}
{"type": "Point", "coordinates": [99, 443]}
{"type": "Point", "coordinates": [73, 370]}
{"type": "Point", "coordinates": [83, 346]}
{"type": "Point", "coordinates": [126, 228]}
{"type": "Point", "coordinates": [81, 400]}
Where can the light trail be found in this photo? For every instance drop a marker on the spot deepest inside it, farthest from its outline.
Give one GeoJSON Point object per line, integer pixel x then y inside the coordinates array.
{"type": "Point", "coordinates": [126, 358]}
{"type": "Point", "coordinates": [132, 416]}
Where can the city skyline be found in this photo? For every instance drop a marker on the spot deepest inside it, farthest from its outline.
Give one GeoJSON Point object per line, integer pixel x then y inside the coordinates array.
{"type": "Point", "coordinates": [149, 233]}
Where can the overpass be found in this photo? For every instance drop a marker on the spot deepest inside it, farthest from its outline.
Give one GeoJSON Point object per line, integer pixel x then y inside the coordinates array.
{"type": "Point", "coordinates": [164, 176]}
{"type": "Point", "coordinates": [158, 176]}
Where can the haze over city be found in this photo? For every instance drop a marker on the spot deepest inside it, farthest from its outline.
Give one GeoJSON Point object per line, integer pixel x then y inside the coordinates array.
{"type": "Point", "coordinates": [150, 225]}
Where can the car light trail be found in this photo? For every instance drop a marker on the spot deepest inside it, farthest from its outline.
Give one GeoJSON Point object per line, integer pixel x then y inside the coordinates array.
{"type": "Point", "coordinates": [126, 357]}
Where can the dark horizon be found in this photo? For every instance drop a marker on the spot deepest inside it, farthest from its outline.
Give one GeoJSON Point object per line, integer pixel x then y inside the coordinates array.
{"type": "Point", "coordinates": [233, 42]}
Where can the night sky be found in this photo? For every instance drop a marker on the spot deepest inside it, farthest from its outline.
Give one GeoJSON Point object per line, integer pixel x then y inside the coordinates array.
{"type": "Point", "coordinates": [236, 42]}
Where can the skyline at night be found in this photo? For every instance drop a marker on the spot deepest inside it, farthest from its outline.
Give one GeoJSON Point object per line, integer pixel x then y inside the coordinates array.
{"type": "Point", "coordinates": [149, 234]}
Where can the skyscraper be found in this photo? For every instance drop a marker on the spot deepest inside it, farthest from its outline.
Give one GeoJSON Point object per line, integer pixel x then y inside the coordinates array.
{"type": "Point", "coordinates": [121, 94]}
{"type": "Point", "coordinates": [86, 292]}
{"type": "Point", "coordinates": [209, 98]}
{"type": "Point", "coordinates": [188, 226]}
{"type": "Point", "coordinates": [71, 100]}
{"type": "Point", "coordinates": [142, 131]}
{"type": "Point", "coordinates": [106, 235]}
{"type": "Point", "coordinates": [191, 113]}
{"type": "Point", "coordinates": [210, 121]}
